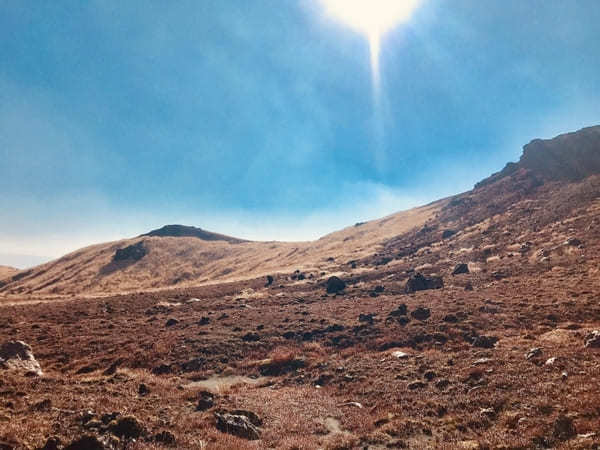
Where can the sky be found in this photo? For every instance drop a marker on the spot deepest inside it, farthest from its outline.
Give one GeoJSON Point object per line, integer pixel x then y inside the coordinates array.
{"type": "Point", "coordinates": [259, 119]}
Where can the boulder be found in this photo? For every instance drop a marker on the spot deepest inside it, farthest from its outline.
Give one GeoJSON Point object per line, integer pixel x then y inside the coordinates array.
{"type": "Point", "coordinates": [460, 268]}
{"type": "Point", "coordinates": [485, 341]}
{"type": "Point", "coordinates": [236, 424]}
{"type": "Point", "coordinates": [564, 429]}
{"type": "Point", "coordinates": [17, 355]}
{"type": "Point", "coordinates": [88, 442]}
{"type": "Point", "coordinates": [335, 285]}
{"type": "Point", "coordinates": [418, 282]}
{"type": "Point", "coordinates": [421, 313]}
{"type": "Point", "coordinates": [127, 427]}
{"type": "Point", "coordinates": [592, 340]}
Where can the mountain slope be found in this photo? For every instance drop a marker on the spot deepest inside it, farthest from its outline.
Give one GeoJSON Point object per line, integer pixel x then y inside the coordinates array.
{"type": "Point", "coordinates": [555, 180]}
{"type": "Point", "coordinates": [183, 261]}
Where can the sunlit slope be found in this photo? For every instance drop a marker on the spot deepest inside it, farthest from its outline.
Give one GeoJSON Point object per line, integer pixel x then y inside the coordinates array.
{"type": "Point", "coordinates": [185, 261]}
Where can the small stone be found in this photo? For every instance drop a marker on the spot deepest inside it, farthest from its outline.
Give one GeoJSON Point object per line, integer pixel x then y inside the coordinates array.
{"type": "Point", "coordinates": [400, 355]}
{"type": "Point", "coordinates": [533, 353]}
{"type": "Point", "coordinates": [564, 429]}
{"type": "Point", "coordinates": [171, 322]}
{"type": "Point", "coordinates": [206, 401]}
{"type": "Point", "coordinates": [237, 425]}
{"type": "Point", "coordinates": [127, 427]}
{"type": "Point", "coordinates": [143, 389]}
{"type": "Point", "coordinates": [490, 413]}
{"type": "Point", "coordinates": [416, 385]}
{"type": "Point", "coordinates": [485, 341]}
{"type": "Point", "coordinates": [421, 313]}
{"type": "Point", "coordinates": [165, 438]}
{"type": "Point", "coordinates": [592, 340]}
{"type": "Point", "coordinates": [460, 269]}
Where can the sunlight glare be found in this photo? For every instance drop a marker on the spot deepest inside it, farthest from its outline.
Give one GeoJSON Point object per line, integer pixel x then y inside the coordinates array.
{"type": "Point", "coordinates": [373, 18]}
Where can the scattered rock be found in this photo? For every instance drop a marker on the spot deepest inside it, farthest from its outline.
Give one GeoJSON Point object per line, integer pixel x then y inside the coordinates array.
{"type": "Point", "coordinates": [52, 443]}
{"type": "Point", "coordinates": [592, 340]}
{"type": "Point", "coordinates": [161, 369]}
{"type": "Point", "coordinates": [127, 427]}
{"type": "Point", "coordinates": [564, 429]}
{"type": "Point", "coordinates": [448, 234]}
{"type": "Point", "coordinates": [534, 353]}
{"type": "Point", "coordinates": [166, 438]}
{"type": "Point", "coordinates": [171, 322]}
{"type": "Point", "coordinates": [450, 318]}
{"type": "Point", "coordinates": [418, 384]}
{"type": "Point", "coordinates": [88, 442]}
{"type": "Point", "coordinates": [429, 375]}
{"type": "Point", "coordinates": [368, 318]}
{"type": "Point", "coordinates": [402, 310]}
{"type": "Point", "coordinates": [485, 341]}
{"type": "Point", "coordinates": [335, 285]}
{"type": "Point", "coordinates": [460, 268]}
{"type": "Point", "coordinates": [204, 321]}
{"type": "Point", "coordinates": [17, 355]}
{"type": "Point", "coordinates": [269, 281]}
{"type": "Point", "coordinates": [421, 313]}
{"type": "Point", "coordinates": [206, 401]}
{"type": "Point", "coordinates": [237, 425]}
{"type": "Point", "coordinates": [251, 337]}
{"type": "Point", "coordinates": [418, 282]}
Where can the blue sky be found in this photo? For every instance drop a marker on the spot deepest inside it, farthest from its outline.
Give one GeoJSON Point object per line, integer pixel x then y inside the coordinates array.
{"type": "Point", "coordinates": [258, 118]}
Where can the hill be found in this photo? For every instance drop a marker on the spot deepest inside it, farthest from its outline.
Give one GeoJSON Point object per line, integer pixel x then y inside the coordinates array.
{"type": "Point", "coordinates": [6, 271]}
{"type": "Point", "coordinates": [178, 255]}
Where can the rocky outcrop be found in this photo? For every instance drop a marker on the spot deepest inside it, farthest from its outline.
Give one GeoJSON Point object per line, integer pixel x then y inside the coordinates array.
{"type": "Point", "coordinates": [568, 157]}
{"type": "Point", "coordinates": [418, 282]}
{"type": "Point", "coordinates": [17, 355]}
{"type": "Point", "coordinates": [133, 252]}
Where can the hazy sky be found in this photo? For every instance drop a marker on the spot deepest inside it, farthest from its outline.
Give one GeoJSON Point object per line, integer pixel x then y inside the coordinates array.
{"type": "Point", "coordinates": [257, 118]}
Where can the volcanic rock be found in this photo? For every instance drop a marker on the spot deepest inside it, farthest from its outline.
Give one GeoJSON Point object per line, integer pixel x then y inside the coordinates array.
{"type": "Point", "coordinates": [418, 282]}
{"type": "Point", "coordinates": [460, 268]}
{"type": "Point", "coordinates": [237, 425]}
{"type": "Point", "coordinates": [335, 285]}
{"type": "Point", "coordinates": [421, 313]}
{"type": "Point", "coordinates": [133, 252]}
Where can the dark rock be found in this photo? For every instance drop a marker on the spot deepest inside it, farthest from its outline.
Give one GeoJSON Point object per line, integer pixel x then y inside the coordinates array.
{"type": "Point", "coordinates": [402, 310]}
{"type": "Point", "coordinates": [468, 286]}
{"type": "Point", "coordinates": [421, 313]}
{"type": "Point", "coordinates": [237, 425]}
{"type": "Point", "coordinates": [171, 322]}
{"type": "Point", "coordinates": [269, 281]}
{"type": "Point", "coordinates": [368, 318]}
{"type": "Point", "coordinates": [335, 285]}
{"type": "Point", "coordinates": [252, 416]}
{"type": "Point", "coordinates": [323, 379]}
{"type": "Point", "coordinates": [564, 428]}
{"type": "Point", "coordinates": [460, 268]}
{"type": "Point", "coordinates": [448, 234]}
{"type": "Point", "coordinates": [143, 389]}
{"type": "Point", "coordinates": [193, 365]}
{"type": "Point", "coordinates": [53, 443]}
{"type": "Point", "coordinates": [161, 369]}
{"type": "Point", "coordinates": [251, 337]}
{"type": "Point", "coordinates": [88, 442]}
{"type": "Point", "coordinates": [535, 352]}
{"type": "Point", "coordinates": [289, 335]}
{"type": "Point", "coordinates": [418, 282]}
{"type": "Point", "coordinates": [206, 401]}
{"type": "Point", "coordinates": [109, 417]}
{"type": "Point", "coordinates": [429, 375]}
{"type": "Point", "coordinates": [416, 385]}
{"type": "Point", "coordinates": [442, 384]}
{"type": "Point", "coordinates": [127, 427]}
{"type": "Point", "coordinates": [166, 438]}
{"type": "Point", "coordinates": [133, 252]}
{"type": "Point", "coordinates": [379, 289]}
{"type": "Point", "coordinates": [450, 318]}
{"type": "Point", "coordinates": [592, 340]}
{"type": "Point", "coordinates": [485, 341]}
{"type": "Point", "coordinates": [204, 321]}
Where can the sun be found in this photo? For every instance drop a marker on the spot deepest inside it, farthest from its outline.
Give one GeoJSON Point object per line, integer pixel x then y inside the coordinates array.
{"type": "Point", "coordinates": [373, 18]}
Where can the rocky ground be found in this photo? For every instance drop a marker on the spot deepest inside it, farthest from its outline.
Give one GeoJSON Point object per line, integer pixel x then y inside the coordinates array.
{"type": "Point", "coordinates": [477, 330]}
